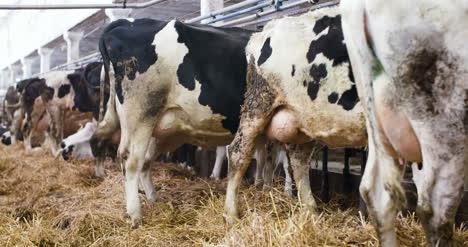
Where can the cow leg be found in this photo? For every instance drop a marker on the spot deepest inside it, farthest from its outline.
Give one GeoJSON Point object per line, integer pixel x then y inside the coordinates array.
{"type": "Point", "coordinates": [260, 157]}
{"type": "Point", "coordinates": [269, 168]}
{"type": "Point", "coordinates": [440, 182]}
{"type": "Point", "coordinates": [220, 157]}
{"type": "Point", "coordinates": [56, 127]}
{"type": "Point", "coordinates": [259, 105]}
{"type": "Point", "coordinates": [99, 166]}
{"type": "Point", "coordinates": [382, 191]}
{"type": "Point", "coordinates": [145, 178]}
{"type": "Point", "coordinates": [300, 157]}
{"type": "Point", "coordinates": [283, 158]}
{"type": "Point", "coordinates": [239, 156]}
{"type": "Point", "coordinates": [347, 184]}
{"type": "Point", "coordinates": [134, 165]}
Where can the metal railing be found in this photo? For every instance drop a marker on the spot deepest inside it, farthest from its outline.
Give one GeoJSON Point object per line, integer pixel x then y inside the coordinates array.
{"type": "Point", "coordinates": [262, 8]}
{"type": "Point", "coordinates": [122, 5]}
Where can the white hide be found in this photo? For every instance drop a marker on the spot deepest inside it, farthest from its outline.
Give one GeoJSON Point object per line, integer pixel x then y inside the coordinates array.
{"type": "Point", "coordinates": [385, 40]}
{"type": "Point", "coordinates": [290, 38]}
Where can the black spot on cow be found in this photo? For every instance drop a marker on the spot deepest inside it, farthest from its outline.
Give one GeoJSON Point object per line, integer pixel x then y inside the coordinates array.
{"type": "Point", "coordinates": [333, 97]}
{"type": "Point", "coordinates": [48, 93]}
{"type": "Point", "coordinates": [128, 46]}
{"type": "Point", "coordinates": [350, 73]}
{"type": "Point", "coordinates": [222, 80]}
{"type": "Point", "coordinates": [186, 73]}
{"type": "Point", "coordinates": [322, 24]}
{"type": "Point", "coordinates": [265, 52]}
{"type": "Point", "coordinates": [293, 71]}
{"type": "Point", "coordinates": [64, 90]}
{"type": "Point", "coordinates": [318, 72]}
{"type": "Point", "coordinates": [331, 45]}
{"type": "Point", "coordinates": [349, 98]}
{"type": "Point", "coordinates": [312, 89]}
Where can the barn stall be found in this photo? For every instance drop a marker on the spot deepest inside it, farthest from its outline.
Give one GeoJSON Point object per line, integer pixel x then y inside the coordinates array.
{"type": "Point", "coordinates": [46, 201]}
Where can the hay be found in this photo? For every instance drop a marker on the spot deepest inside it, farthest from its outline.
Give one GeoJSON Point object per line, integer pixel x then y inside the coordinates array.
{"type": "Point", "coordinates": [49, 202]}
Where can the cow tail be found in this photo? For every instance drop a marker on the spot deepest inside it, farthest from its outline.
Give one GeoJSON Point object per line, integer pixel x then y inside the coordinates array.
{"type": "Point", "coordinates": [108, 120]}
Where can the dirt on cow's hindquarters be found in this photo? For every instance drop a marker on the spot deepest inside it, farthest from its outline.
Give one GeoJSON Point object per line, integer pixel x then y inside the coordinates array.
{"type": "Point", "coordinates": [50, 202]}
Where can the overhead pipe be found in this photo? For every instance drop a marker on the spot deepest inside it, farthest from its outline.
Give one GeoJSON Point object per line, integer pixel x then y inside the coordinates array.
{"type": "Point", "coordinates": [123, 5]}
{"type": "Point", "coordinates": [224, 10]}
{"type": "Point", "coordinates": [278, 8]}
{"type": "Point", "coordinates": [244, 11]}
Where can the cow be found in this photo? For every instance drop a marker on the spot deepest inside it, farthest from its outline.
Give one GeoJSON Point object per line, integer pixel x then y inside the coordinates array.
{"type": "Point", "coordinates": [71, 99]}
{"type": "Point", "coordinates": [35, 119]}
{"type": "Point", "coordinates": [301, 92]}
{"type": "Point", "coordinates": [179, 83]}
{"type": "Point", "coordinates": [410, 62]}
{"type": "Point", "coordinates": [10, 113]}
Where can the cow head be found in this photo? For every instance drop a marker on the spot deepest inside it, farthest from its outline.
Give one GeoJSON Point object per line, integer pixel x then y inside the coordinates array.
{"type": "Point", "coordinates": [78, 144]}
{"type": "Point", "coordinates": [6, 138]}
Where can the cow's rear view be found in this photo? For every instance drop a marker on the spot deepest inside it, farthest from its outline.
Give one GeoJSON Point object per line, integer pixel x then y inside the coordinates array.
{"type": "Point", "coordinates": [410, 61]}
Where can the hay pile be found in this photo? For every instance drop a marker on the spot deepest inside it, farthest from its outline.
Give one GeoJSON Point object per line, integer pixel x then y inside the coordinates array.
{"type": "Point", "coordinates": [47, 202]}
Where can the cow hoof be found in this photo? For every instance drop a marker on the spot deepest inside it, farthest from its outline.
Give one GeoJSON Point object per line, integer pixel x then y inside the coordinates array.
{"type": "Point", "coordinates": [231, 219]}
{"type": "Point", "coordinates": [153, 201]}
{"type": "Point", "coordinates": [125, 215]}
{"type": "Point", "coordinates": [136, 223]}
{"type": "Point", "coordinates": [267, 187]}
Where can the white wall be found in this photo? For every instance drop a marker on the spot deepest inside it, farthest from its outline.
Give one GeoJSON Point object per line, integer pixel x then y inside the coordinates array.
{"type": "Point", "coordinates": [23, 31]}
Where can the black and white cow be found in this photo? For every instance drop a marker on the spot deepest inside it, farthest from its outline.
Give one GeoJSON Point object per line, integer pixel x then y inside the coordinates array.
{"type": "Point", "coordinates": [35, 119]}
{"type": "Point", "coordinates": [179, 83]}
{"type": "Point", "coordinates": [411, 65]}
{"type": "Point", "coordinates": [11, 112]}
{"type": "Point", "coordinates": [72, 99]}
{"type": "Point", "coordinates": [300, 91]}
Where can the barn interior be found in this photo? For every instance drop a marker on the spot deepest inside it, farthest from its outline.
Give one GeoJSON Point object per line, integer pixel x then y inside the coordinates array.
{"type": "Point", "coordinates": [51, 202]}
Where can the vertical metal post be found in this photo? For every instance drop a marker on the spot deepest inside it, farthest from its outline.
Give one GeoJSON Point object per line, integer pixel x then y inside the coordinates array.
{"type": "Point", "coordinates": [325, 188]}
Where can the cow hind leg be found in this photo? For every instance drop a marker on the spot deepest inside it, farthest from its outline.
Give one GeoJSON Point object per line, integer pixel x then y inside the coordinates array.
{"type": "Point", "coordinates": [240, 153]}
{"type": "Point", "coordinates": [269, 168]}
{"type": "Point", "coordinates": [220, 157]}
{"type": "Point", "coordinates": [440, 181]}
{"type": "Point", "coordinates": [283, 158]}
{"type": "Point", "coordinates": [299, 158]}
{"type": "Point", "coordinates": [260, 157]}
{"type": "Point", "coordinates": [145, 178]}
{"type": "Point", "coordinates": [382, 191]}
{"type": "Point", "coordinates": [257, 110]}
{"type": "Point", "coordinates": [134, 165]}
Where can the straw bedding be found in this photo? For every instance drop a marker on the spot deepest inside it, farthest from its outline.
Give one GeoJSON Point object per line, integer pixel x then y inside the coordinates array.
{"type": "Point", "coordinates": [50, 202]}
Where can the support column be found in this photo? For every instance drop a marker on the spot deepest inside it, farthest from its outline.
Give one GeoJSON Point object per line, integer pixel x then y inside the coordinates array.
{"type": "Point", "coordinates": [45, 54]}
{"type": "Point", "coordinates": [5, 76]}
{"type": "Point", "coordinates": [73, 45]}
{"type": "Point", "coordinates": [15, 73]}
{"type": "Point", "coordinates": [115, 14]}
{"type": "Point", "coordinates": [208, 6]}
{"type": "Point", "coordinates": [27, 67]}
